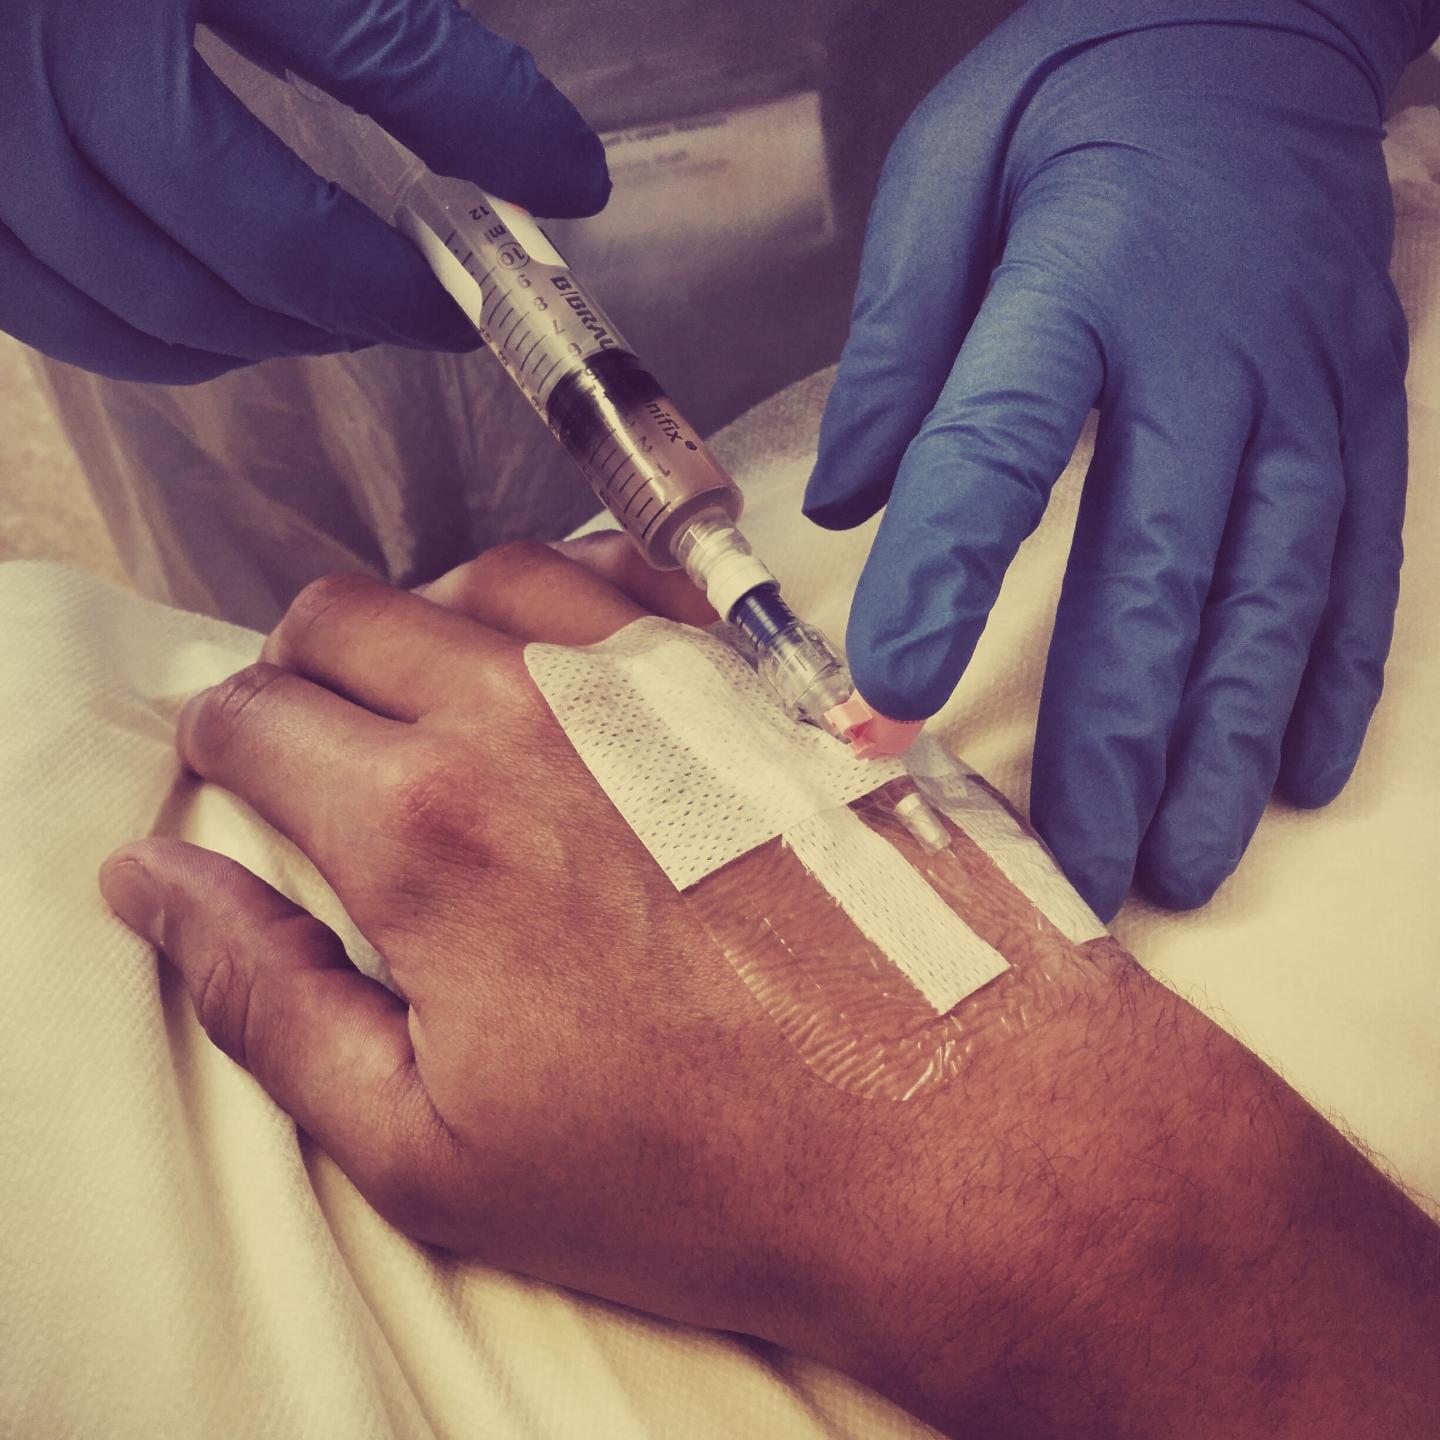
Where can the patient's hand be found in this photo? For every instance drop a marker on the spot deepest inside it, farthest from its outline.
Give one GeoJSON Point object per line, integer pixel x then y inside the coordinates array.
{"type": "Point", "coordinates": [1093, 1224]}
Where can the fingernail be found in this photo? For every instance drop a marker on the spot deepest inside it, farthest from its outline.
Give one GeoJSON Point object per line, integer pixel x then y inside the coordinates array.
{"type": "Point", "coordinates": [131, 892]}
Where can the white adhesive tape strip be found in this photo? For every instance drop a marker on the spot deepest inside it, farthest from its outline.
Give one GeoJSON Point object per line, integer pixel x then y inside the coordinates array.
{"type": "Point", "coordinates": [891, 905]}
{"type": "Point", "coordinates": [689, 746]}
{"type": "Point", "coordinates": [704, 767]}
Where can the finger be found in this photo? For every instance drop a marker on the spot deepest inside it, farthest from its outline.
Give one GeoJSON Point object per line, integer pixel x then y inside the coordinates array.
{"type": "Point", "coordinates": [973, 485]}
{"type": "Point", "coordinates": [669, 593]}
{"type": "Point", "coordinates": [386, 649]}
{"type": "Point", "coordinates": [1343, 680]}
{"type": "Point", "coordinates": [470, 103]}
{"type": "Point", "coordinates": [530, 591]}
{"type": "Point", "coordinates": [1260, 617]}
{"type": "Point", "coordinates": [275, 991]}
{"type": "Point", "coordinates": [285, 746]}
{"type": "Point", "coordinates": [43, 310]}
{"type": "Point", "coordinates": [1152, 515]}
{"type": "Point", "coordinates": [149, 298]}
{"type": "Point", "coordinates": [216, 235]}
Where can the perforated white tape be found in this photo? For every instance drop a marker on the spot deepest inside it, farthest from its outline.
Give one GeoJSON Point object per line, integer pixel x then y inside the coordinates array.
{"type": "Point", "coordinates": [892, 907]}
{"type": "Point", "coordinates": [690, 747]}
{"type": "Point", "coordinates": [704, 766]}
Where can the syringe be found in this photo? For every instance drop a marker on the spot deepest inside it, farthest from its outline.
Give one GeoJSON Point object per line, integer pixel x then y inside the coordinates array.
{"type": "Point", "coordinates": [646, 463]}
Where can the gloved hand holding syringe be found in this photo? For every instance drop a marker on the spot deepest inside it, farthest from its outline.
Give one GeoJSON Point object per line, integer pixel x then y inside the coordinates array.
{"type": "Point", "coordinates": [646, 464]}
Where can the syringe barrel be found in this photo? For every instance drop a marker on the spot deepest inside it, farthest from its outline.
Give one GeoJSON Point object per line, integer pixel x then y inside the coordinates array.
{"type": "Point", "coordinates": [645, 462]}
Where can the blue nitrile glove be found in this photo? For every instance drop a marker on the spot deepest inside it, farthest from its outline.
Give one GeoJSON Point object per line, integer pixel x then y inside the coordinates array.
{"type": "Point", "coordinates": [1177, 212]}
{"type": "Point", "coordinates": [152, 229]}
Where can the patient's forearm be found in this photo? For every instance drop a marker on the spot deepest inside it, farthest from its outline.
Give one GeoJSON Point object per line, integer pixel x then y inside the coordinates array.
{"type": "Point", "coordinates": [1125, 1225]}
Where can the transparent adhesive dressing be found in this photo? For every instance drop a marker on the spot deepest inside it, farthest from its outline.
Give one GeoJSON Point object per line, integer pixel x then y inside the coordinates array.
{"type": "Point", "coordinates": [830, 965]}
{"type": "Point", "coordinates": [887, 963]}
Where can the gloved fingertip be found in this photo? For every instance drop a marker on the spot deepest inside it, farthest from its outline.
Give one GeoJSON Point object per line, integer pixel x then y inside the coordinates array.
{"type": "Point", "coordinates": [1104, 894]}
{"type": "Point", "coordinates": [416, 311]}
{"type": "Point", "coordinates": [565, 172]}
{"type": "Point", "coordinates": [560, 170]}
{"type": "Point", "coordinates": [904, 693]}
{"type": "Point", "coordinates": [1103, 889]}
{"type": "Point", "coordinates": [581, 184]}
{"type": "Point", "coordinates": [567, 189]}
{"type": "Point", "coordinates": [1181, 882]}
{"type": "Point", "coordinates": [836, 497]}
{"type": "Point", "coordinates": [833, 513]}
{"type": "Point", "coordinates": [1101, 881]}
{"type": "Point", "coordinates": [1312, 787]}
{"type": "Point", "coordinates": [444, 327]}
{"type": "Point", "coordinates": [1326, 733]}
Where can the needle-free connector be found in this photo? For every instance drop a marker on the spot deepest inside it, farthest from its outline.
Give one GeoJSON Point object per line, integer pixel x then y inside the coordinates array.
{"type": "Point", "coordinates": [793, 658]}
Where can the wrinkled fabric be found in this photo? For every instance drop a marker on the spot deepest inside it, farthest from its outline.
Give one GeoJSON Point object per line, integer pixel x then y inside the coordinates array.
{"type": "Point", "coordinates": [174, 1259]}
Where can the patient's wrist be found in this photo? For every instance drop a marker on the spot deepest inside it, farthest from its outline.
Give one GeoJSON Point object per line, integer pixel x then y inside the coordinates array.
{"type": "Point", "coordinates": [1109, 1226]}
{"type": "Point", "coordinates": [996, 1205]}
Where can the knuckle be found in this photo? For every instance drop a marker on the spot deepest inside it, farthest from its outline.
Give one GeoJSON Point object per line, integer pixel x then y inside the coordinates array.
{"type": "Point", "coordinates": [515, 560]}
{"type": "Point", "coordinates": [228, 705]}
{"type": "Point", "coordinates": [320, 599]}
{"type": "Point", "coordinates": [519, 553]}
{"type": "Point", "coordinates": [222, 1003]}
{"type": "Point", "coordinates": [429, 796]}
{"type": "Point", "coordinates": [243, 996]}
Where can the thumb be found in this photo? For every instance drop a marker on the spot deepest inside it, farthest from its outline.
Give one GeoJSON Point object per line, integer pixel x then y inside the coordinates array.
{"type": "Point", "coordinates": [273, 988]}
